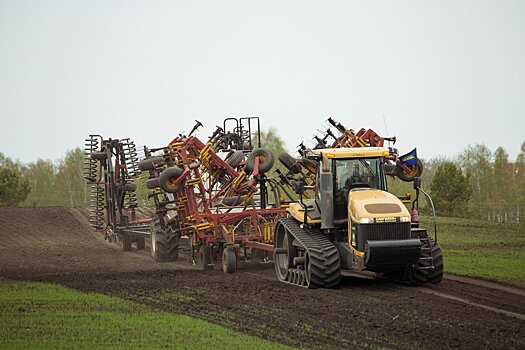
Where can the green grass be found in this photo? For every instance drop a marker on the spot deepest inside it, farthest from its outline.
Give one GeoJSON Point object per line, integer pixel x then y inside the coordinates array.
{"type": "Point", "coordinates": [44, 316]}
{"type": "Point", "coordinates": [482, 249]}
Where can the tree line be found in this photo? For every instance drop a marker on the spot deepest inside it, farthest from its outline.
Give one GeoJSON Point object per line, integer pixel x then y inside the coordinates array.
{"type": "Point", "coordinates": [44, 182]}
{"type": "Point", "coordinates": [478, 183]}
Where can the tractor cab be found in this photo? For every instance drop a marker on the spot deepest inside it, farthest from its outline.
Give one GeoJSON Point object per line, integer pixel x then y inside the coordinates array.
{"type": "Point", "coordinates": [354, 174]}
{"type": "Point", "coordinates": [351, 169]}
{"type": "Point", "coordinates": [369, 226]}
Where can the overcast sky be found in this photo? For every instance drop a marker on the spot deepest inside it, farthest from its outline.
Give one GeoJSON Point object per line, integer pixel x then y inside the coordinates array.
{"type": "Point", "coordinates": [441, 74]}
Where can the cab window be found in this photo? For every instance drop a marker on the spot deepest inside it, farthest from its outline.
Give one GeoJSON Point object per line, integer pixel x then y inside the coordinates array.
{"type": "Point", "coordinates": [350, 174]}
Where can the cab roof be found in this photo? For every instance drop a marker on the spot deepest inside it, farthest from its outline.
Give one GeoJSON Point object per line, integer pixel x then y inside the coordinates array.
{"type": "Point", "coordinates": [356, 152]}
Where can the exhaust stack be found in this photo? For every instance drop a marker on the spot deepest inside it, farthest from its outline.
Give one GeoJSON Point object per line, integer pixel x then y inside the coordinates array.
{"type": "Point", "coordinates": [326, 191]}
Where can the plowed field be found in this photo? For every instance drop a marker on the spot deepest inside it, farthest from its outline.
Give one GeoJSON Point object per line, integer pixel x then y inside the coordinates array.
{"type": "Point", "coordinates": [56, 245]}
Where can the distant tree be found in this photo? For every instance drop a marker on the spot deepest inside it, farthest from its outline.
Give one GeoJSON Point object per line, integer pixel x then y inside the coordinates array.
{"type": "Point", "coordinates": [521, 155]}
{"type": "Point", "coordinates": [518, 186]}
{"type": "Point", "coordinates": [501, 189]}
{"type": "Point", "coordinates": [70, 184]}
{"type": "Point", "coordinates": [271, 140]}
{"type": "Point", "coordinates": [477, 162]}
{"type": "Point", "coordinates": [450, 189]}
{"type": "Point", "coordinates": [13, 188]}
{"type": "Point", "coordinates": [41, 176]}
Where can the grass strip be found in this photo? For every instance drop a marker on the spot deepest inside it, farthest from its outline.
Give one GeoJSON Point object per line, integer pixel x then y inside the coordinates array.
{"type": "Point", "coordinates": [44, 316]}
{"type": "Point", "coordinates": [476, 248]}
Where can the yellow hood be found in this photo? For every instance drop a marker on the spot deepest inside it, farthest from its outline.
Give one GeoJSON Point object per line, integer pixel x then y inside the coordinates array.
{"type": "Point", "coordinates": [375, 204]}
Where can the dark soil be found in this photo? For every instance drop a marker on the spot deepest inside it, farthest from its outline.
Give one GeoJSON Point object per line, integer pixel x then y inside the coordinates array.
{"type": "Point", "coordinates": [56, 245]}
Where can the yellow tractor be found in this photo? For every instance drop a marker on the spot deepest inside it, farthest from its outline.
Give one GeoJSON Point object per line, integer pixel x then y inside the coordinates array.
{"type": "Point", "coordinates": [353, 223]}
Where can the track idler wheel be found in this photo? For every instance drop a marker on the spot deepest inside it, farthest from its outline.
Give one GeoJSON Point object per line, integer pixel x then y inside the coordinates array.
{"type": "Point", "coordinates": [283, 253]}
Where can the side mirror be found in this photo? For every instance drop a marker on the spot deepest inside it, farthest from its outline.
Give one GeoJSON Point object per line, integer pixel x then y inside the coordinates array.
{"type": "Point", "coordinates": [417, 183]}
{"type": "Point", "coordinates": [299, 187]}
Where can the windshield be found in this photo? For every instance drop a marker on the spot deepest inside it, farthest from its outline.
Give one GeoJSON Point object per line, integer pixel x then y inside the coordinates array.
{"type": "Point", "coordinates": [354, 173]}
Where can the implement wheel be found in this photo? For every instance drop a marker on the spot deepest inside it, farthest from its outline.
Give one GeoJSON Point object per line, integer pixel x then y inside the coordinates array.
{"type": "Point", "coordinates": [128, 187]}
{"type": "Point", "coordinates": [407, 173]}
{"type": "Point", "coordinates": [205, 257]}
{"type": "Point", "coordinates": [151, 163]}
{"type": "Point", "coordinates": [290, 162]}
{"type": "Point", "coordinates": [229, 260]}
{"type": "Point", "coordinates": [266, 160]}
{"type": "Point", "coordinates": [141, 243]}
{"type": "Point", "coordinates": [235, 159]}
{"type": "Point", "coordinates": [168, 177]}
{"type": "Point", "coordinates": [152, 184]}
{"type": "Point", "coordinates": [126, 242]}
{"type": "Point", "coordinates": [98, 155]}
{"type": "Point", "coordinates": [164, 244]}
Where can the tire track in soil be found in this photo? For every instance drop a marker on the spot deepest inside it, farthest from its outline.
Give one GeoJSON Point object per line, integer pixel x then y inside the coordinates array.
{"type": "Point", "coordinates": [465, 301]}
{"type": "Point", "coordinates": [363, 311]}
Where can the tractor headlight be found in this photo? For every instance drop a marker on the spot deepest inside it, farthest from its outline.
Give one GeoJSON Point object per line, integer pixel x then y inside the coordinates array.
{"type": "Point", "coordinates": [404, 219]}
{"type": "Point", "coordinates": [366, 220]}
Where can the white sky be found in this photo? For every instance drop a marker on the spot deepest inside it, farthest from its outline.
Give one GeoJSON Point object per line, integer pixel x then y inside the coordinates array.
{"type": "Point", "coordinates": [444, 74]}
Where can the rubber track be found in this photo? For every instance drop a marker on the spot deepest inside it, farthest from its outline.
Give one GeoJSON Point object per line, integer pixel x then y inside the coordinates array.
{"type": "Point", "coordinates": [323, 255]}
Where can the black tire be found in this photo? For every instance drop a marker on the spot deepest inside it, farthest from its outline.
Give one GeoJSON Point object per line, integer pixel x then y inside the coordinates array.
{"type": "Point", "coordinates": [98, 155]}
{"type": "Point", "coordinates": [410, 172]}
{"type": "Point", "coordinates": [205, 257]}
{"type": "Point", "coordinates": [130, 187]}
{"type": "Point", "coordinates": [168, 176]}
{"type": "Point", "coordinates": [229, 260]}
{"type": "Point", "coordinates": [290, 163]}
{"type": "Point", "coordinates": [141, 243]}
{"type": "Point", "coordinates": [234, 201]}
{"type": "Point", "coordinates": [151, 163]}
{"type": "Point", "coordinates": [126, 242]}
{"type": "Point", "coordinates": [164, 244]}
{"type": "Point", "coordinates": [309, 164]}
{"type": "Point", "coordinates": [152, 184]}
{"type": "Point", "coordinates": [235, 159]}
{"type": "Point", "coordinates": [266, 160]}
